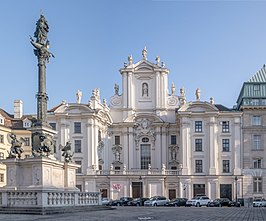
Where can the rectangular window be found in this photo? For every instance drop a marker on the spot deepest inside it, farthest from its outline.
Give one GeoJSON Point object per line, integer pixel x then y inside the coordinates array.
{"type": "Point", "coordinates": [256, 89]}
{"type": "Point", "coordinates": [257, 184]}
{"type": "Point", "coordinates": [257, 163]}
{"type": "Point", "coordinates": [77, 144]}
{"type": "Point", "coordinates": [225, 126]}
{"type": "Point", "coordinates": [79, 169]}
{"type": "Point", "coordinates": [145, 156]}
{"type": "Point", "coordinates": [53, 126]}
{"type": "Point", "coordinates": [256, 120]}
{"type": "Point", "coordinates": [173, 139]}
{"type": "Point", "coordinates": [198, 126]}
{"type": "Point", "coordinates": [2, 155]}
{"type": "Point", "coordinates": [226, 166]}
{"type": "Point", "coordinates": [255, 102]}
{"type": "Point", "coordinates": [226, 145]}
{"type": "Point", "coordinates": [198, 166]}
{"type": "Point", "coordinates": [1, 138]}
{"type": "Point", "coordinates": [77, 127]}
{"type": "Point", "coordinates": [257, 142]}
{"type": "Point", "coordinates": [2, 177]}
{"type": "Point", "coordinates": [27, 141]}
{"type": "Point", "coordinates": [198, 144]}
{"type": "Point", "coordinates": [117, 140]}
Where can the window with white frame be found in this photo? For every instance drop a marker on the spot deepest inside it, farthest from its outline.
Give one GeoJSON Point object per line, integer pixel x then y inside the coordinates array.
{"type": "Point", "coordinates": [117, 140]}
{"type": "Point", "coordinates": [145, 156]}
{"type": "Point", "coordinates": [256, 120]}
{"type": "Point", "coordinates": [198, 166]}
{"type": "Point", "coordinates": [257, 184]}
{"type": "Point", "coordinates": [256, 89]}
{"type": "Point", "coordinates": [173, 139]}
{"type": "Point", "coordinates": [77, 127]}
{"type": "Point", "coordinates": [198, 145]}
{"type": "Point", "coordinates": [198, 126]}
{"type": "Point", "coordinates": [257, 163]}
{"type": "Point", "coordinates": [226, 166]}
{"type": "Point", "coordinates": [2, 155]}
{"type": "Point", "coordinates": [77, 144]}
{"type": "Point", "coordinates": [226, 145]}
{"type": "Point", "coordinates": [257, 142]}
{"type": "Point", "coordinates": [255, 102]}
{"type": "Point", "coordinates": [79, 163]}
{"type": "Point", "coordinates": [225, 126]}
{"type": "Point", "coordinates": [27, 124]}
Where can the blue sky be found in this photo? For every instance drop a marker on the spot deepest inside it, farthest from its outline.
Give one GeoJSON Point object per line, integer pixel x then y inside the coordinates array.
{"type": "Point", "coordinates": [213, 45]}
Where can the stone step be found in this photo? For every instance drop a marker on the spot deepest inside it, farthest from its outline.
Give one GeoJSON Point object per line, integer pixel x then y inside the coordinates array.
{"type": "Point", "coordinates": [51, 210]}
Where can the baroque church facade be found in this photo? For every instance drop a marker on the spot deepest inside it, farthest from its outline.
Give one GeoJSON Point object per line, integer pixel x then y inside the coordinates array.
{"type": "Point", "coordinates": [149, 142]}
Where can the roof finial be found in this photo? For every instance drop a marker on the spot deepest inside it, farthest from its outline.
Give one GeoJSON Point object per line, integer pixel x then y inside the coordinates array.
{"type": "Point", "coordinates": [144, 53]}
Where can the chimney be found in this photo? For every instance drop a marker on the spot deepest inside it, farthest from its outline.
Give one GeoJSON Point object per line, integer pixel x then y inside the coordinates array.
{"type": "Point", "coordinates": [18, 109]}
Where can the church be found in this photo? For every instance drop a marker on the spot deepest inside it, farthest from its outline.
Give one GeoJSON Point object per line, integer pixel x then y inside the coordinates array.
{"type": "Point", "coordinates": [150, 140]}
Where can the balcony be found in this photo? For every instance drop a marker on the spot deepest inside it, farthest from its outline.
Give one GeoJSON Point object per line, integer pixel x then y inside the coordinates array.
{"type": "Point", "coordinates": [138, 172]}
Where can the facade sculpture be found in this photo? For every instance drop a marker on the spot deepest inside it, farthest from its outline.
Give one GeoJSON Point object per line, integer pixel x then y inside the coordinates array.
{"type": "Point", "coordinates": [16, 146]}
{"type": "Point", "coordinates": [66, 152]}
{"type": "Point", "coordinates": [78, 96]}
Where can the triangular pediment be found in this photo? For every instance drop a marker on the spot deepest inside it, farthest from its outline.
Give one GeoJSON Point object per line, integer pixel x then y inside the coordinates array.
{"type": "Point", "coordinates": [145, 65]}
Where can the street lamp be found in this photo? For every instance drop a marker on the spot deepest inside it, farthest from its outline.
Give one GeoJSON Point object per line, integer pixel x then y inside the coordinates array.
{"type": "Point", "coordinates": [236, 188]}
{"type": "Point", "coordinates": [140, 187]}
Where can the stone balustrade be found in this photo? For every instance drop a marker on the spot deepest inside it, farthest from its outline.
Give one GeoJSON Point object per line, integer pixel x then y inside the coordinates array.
{"type": "Point", "coordinates": [138, 172]}
{"type": "Point", "coordinates": [17, 198]}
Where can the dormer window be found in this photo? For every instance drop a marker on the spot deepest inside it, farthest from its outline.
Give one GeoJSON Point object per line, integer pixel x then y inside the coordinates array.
{"type": "Point", "coordinates": [27, 124]}
{"type": "Point", "coordinates": [2, 120]}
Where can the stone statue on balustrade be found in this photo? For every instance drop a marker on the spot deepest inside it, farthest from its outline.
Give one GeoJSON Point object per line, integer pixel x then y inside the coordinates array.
{"type": "Point", "coordinates": [66, 151]}
{"type": "Point", "coordinates": [16, 146]}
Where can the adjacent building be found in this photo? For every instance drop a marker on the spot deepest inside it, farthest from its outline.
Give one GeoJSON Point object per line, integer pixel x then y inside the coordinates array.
{"type": "Point", "coordinates": [252, 103]}
{"type": "Point", "coordinates": [18, 125]}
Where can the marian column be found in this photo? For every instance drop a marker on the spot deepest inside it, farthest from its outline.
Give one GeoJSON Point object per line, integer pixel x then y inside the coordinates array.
{"type": "Point", "coordinates": [42, 133]}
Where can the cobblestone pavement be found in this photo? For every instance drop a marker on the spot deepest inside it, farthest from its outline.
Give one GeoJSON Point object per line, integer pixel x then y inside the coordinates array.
{"type": "Point", "coordinates": [150, 213]}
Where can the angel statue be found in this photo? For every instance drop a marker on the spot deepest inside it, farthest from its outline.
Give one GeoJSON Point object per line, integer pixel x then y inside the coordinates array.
{"type": "Point", "coordinates": [66, 151]}
{"type": "Point", "coordinates": [16, 146]}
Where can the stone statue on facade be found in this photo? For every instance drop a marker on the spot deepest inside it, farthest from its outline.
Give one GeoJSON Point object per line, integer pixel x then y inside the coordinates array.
{"type": "Point", "coordinates": [130, 60]}
{"type": "Point", "coordinates": [116, 89]}
{"type": "Point", "coordinates": [172, 88]}
{"type": "Point", "coordinates": [78, 96]}
{"type": "Point", "coordinates": [182, 91]}
{"type": "Point", "coordinates": [16, 146]}
{"type": "Point", "coordinates": [144, 53]}
{"type": "Point", "coordinates": [145, 90]}
{"type": "Point", "coordinates": [198, 94]}
{"type": "Point", "coordinates": [157, 60]}
{"type": "Point", "coordinates": [66, 151]}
